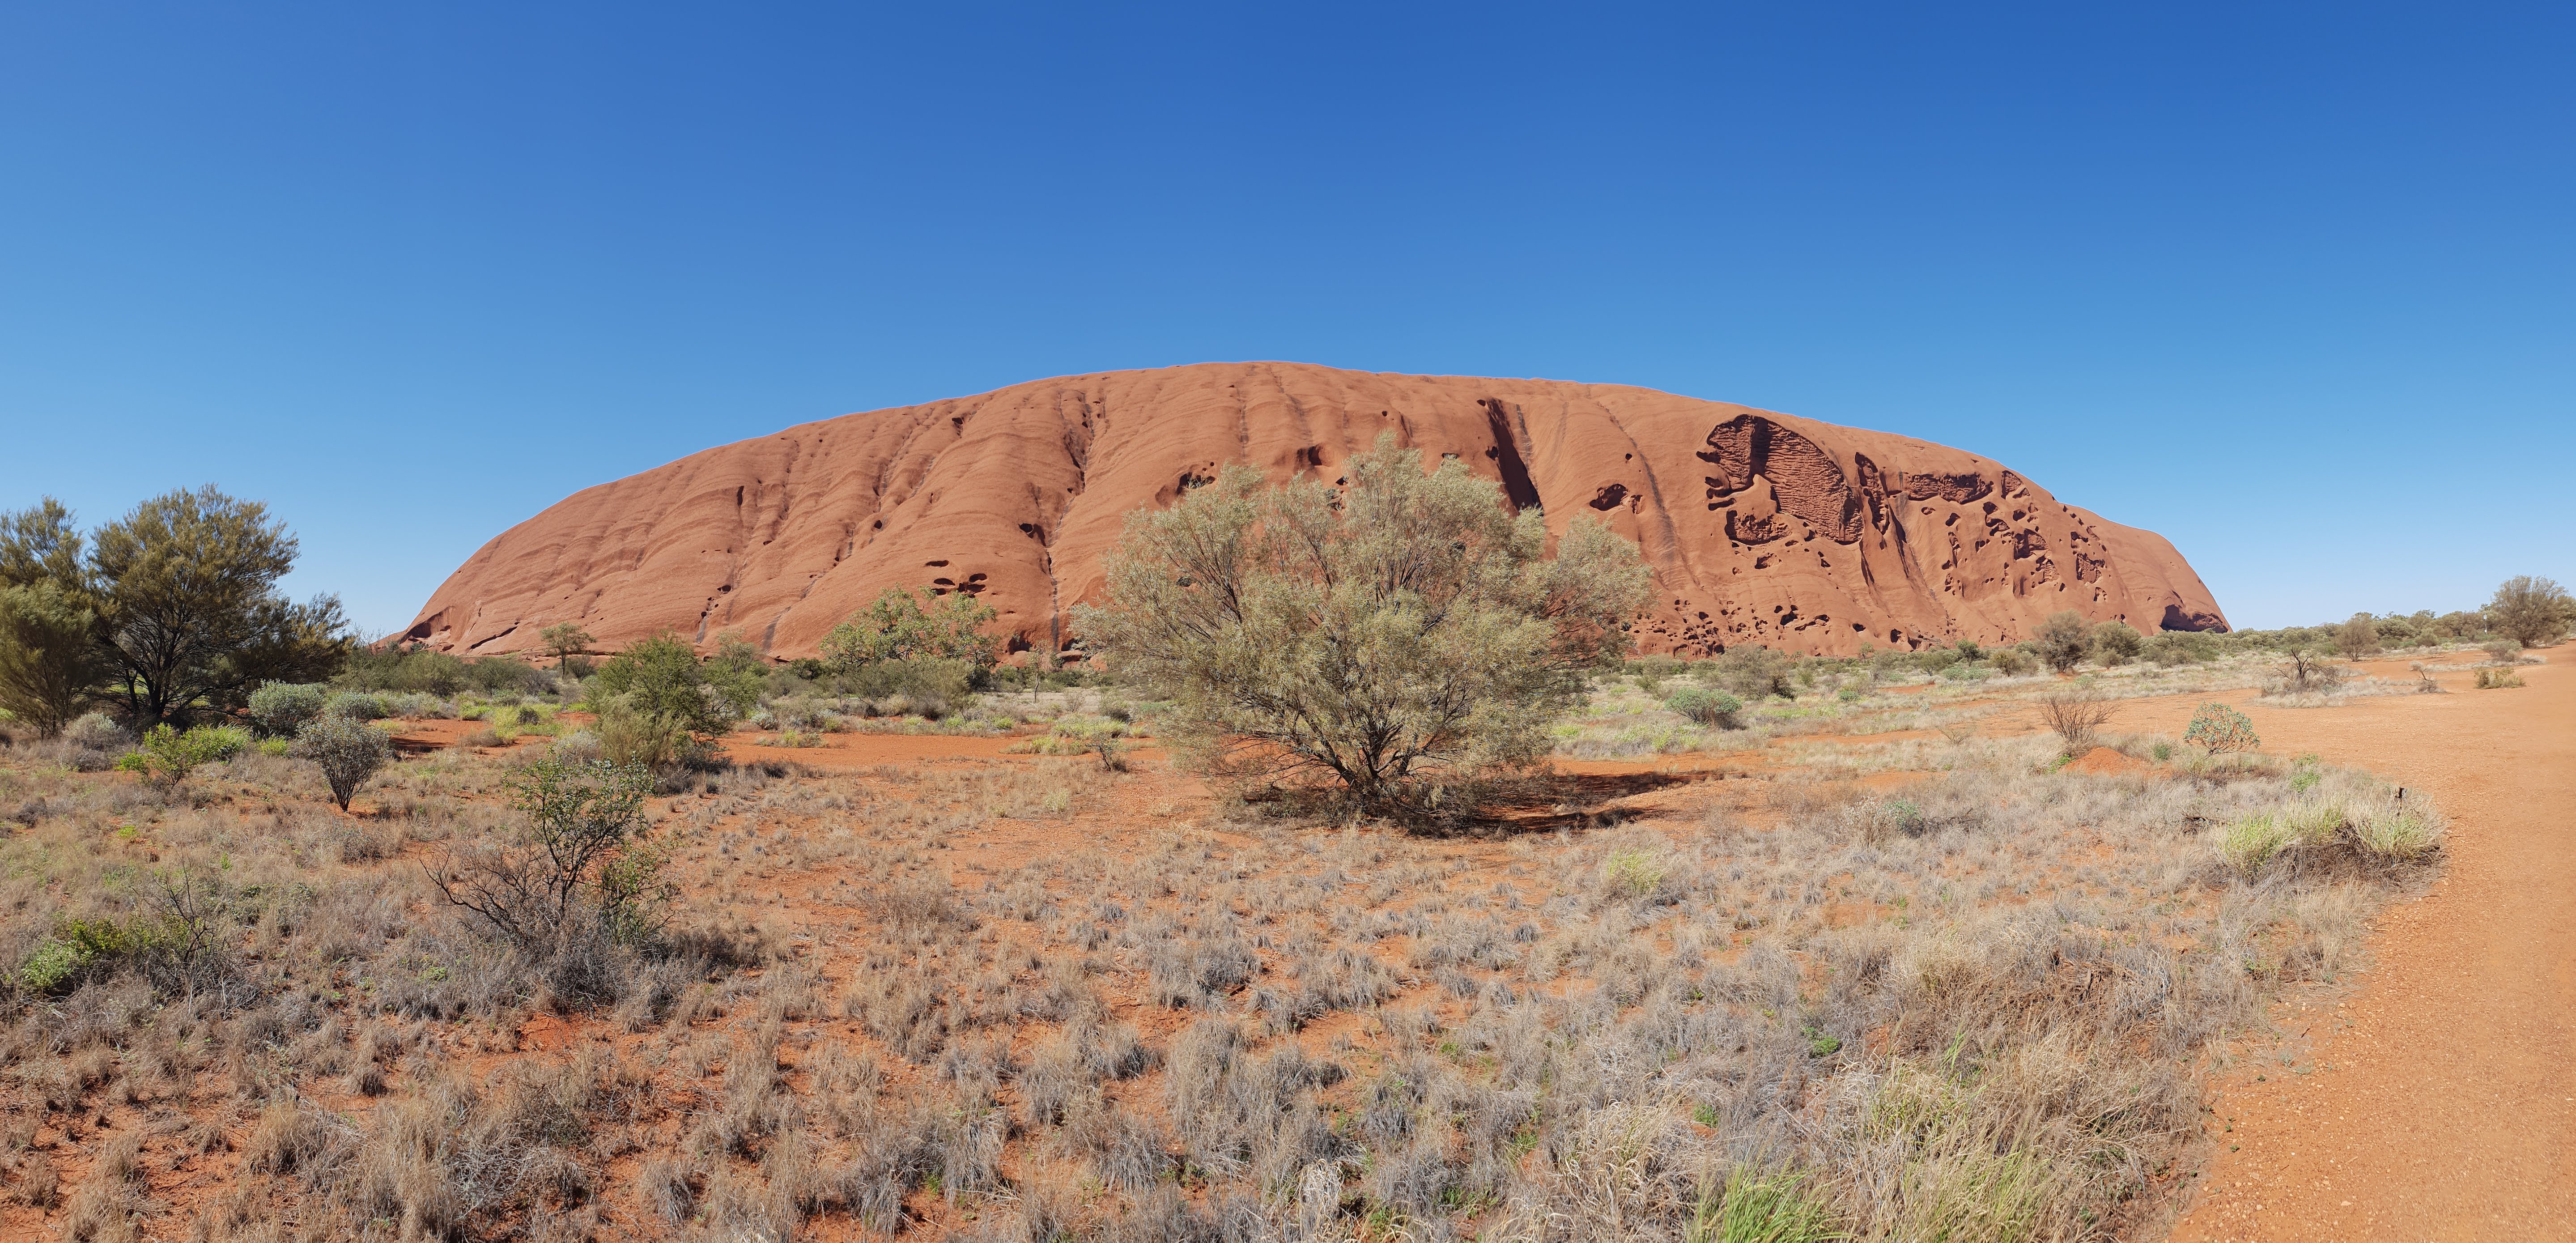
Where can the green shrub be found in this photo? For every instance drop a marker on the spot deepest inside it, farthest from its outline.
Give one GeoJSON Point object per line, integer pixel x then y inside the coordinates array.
{"type": "Point", "coordinates": [2179, 648]}
{"type": "Point", "coordinates": [1716, 709]}
{"type": "Point", "coordinates": [1633, 872]}
{"type": "Point", "coordinates": [897, 628]}
{"type": "Point", "coordinates": [661, 678]}
{"type": "Point", "coordinates": [2012, 662]}
{"type": "Point", "coordinates": [929, 686]}
{"type": "Point", "coordinates": [2063, 641]}
{"type": "Point", "coordinates": [2399, 833]}
{"type": "Point", "coordinates": [2114, 643]}
{"type": "Point", "coordinates": [348, 751]}
{"type": "Point", "coordinates": [278, 709]}
{"type": "Point", "coordinates": [166, 756]}
{"type": "Point", "coordinates": [2221, 729]}
{"type": "Point", "coordinates": [1751, 671]}
{"type": "Point", "coordinates": [357, 706]}
{"type": "Point", "coordinates": [632, 737]}
{"type": "Point", "coordinates": [2504, 651]}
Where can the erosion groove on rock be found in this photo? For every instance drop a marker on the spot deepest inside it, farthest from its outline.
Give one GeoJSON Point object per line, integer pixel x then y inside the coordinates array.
{"type": "Point", "coordinates": [1761, 527]}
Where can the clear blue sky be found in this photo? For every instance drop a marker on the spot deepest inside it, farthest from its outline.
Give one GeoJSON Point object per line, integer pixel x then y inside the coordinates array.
{"type": "Point", "coordinates": [2292, 287]}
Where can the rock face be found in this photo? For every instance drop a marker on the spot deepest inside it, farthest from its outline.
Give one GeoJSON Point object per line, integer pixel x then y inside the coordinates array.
{"type": "Point", "coordinates": [1761, 528]}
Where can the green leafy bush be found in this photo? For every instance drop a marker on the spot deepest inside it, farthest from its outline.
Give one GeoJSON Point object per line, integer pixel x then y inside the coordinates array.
{"type": "Point", "coordinates": [897, 628]}
{"type": "Point", "coordinates": [348, 751]}
{"type": "Point", "coordinates": [357, 706]}
{"type": "Point", "coordinates": [1716, 709]}
{"type": "Point", "coordinates": [2115, 644]}
{"type": "Point", "coordinates": [2221, 729]}
{"type": "Point", "coordinates": [2063, 641]}
{"type": "Point", "coordinates": [278, 709]}
{"type": "Point", "coordinates": [929, 686]}
{"type": "Point", "coordinates": [661, 678]}
{"type": "Point", "coordinates": [166, 756]}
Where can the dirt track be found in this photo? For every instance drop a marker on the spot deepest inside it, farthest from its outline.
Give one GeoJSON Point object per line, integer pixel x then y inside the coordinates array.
{"type": "Point", "coordinates": [2437, 1100]}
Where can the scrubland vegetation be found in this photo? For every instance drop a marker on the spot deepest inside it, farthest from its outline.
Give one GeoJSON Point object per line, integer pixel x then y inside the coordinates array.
{"type": "Point", "coordinates": [617, 964]}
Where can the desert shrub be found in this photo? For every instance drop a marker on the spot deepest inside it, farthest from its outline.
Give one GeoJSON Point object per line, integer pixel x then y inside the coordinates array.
{"type": "Point", "coordinates": [630, 737]}
{"type": "Point", "coordinates": [1716, 709]}
{"type": "Point", "coordinates": [737, 676]}
{"type": "Point", "coordinates": [2503, 651]}
{"type": "Point", "coordinates": [577, 872]}
{"type": "Point", "coordinates": [357, 706]}
{"type": "Point", "coordinates": [930, 686]}
{"type": "Point", "coordinates": [897, 628]}
{"type": "Point", "coordinates": [348, 751]}
{"type": "Point", "coordinates": [1391, 637]}
{"type": "Point", "coordinates": [2114, 643]}
{"type": "Point", "coordinates": [2307, 672]}
{"type": "Point", "coordinates": [278, 709]}
{"type": "Point", "coordinates": [2013, 662]}
{"type": "Point", "coordinates": [2498, 679]}
{"type": "Point", "coordinates": [49, 655]}
{"type": "Point", "coordinates": [165, 756]}
{"type": "Point", "coordinates": [2357, 637]}
{"type": "Point", "coordinates": [1633, 872]}
{"type": "Point", "coordinates": [2179, 648]}
{"type": "Point", "coordinates": [2534, 612]}
{"type": "Point", "coordinates": [661, 678]}
{"type": "Point", "coordinates": [2221, 729]}
{"type": "Point", "coordinates": [413, 705]}
{"type": "Point", "coordinates": [2076, 717]}
{"type": "Point", "coordinates": [495, 675]}
{"type": "Point", "coordinates": [2063, 641]}
{"type": "Point", "coordinates": [1751, 671]}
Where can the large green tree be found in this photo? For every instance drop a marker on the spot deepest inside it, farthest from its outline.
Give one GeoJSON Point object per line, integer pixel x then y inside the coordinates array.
{"type": "Point", "coordinates": [1397, 636]}
{"type": "Point", "coordinates": [2536, 611]}
{"type": "Point", "coordinates": [49, 654]}
{"type": "Point", "coordinates": [183, 591]}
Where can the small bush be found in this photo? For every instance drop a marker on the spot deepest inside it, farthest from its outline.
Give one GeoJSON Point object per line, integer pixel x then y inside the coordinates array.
{"type": "Point", "coordinates": [166, 756]}
{"type": "Point", "coordinates": [2114, 643]}
{"type": "Point", "coordinates": [629, 736]}
{"type": "Point", "coordinates": [1716, 709]}
{"type": "Point", "coordinates": [2063, 641]}
{"type": "Point", "coordinates": [2498, 679]}
{"type": "Point", "coordinates": [357, 706]}
{"type": "Point", "coordinates": [931, 686]}
{"type": "Point", "coordinates": [1633, 873]}
{"type": "Point", "coordinates": [2076, 717]}
{"type": "Point", "coordinates": [2400, 833]}
{"type": "Point", "coordinates": [2504, 651]}
{"type": "Point", "coordinates": [278, 709]}
{"type": "Point", "coordinates": [2012, 662]}
{"type": "Point", "coordinates": [2221, 729]}
{"type": "Point", "coordinates": [348, 751]}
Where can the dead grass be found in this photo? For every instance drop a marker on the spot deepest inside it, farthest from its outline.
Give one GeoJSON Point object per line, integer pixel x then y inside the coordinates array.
{"type": "Point", "coordinates": [1925, 988]}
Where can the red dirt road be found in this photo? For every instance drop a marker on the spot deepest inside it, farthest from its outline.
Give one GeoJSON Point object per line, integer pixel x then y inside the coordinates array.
{"type": "Point", "coordinates": [2438, 1099]}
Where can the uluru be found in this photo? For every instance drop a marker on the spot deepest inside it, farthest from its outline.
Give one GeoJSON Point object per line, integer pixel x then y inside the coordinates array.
{"type": "Point", "coordinates": [1761, 527]}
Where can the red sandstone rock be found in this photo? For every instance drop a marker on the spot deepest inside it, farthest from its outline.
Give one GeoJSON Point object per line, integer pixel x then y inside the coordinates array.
{"type": "Point", "coordinates": [1762, 528]}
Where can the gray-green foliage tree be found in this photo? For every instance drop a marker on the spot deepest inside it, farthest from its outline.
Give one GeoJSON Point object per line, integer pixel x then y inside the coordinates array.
{"type": "Point", "coordinates": [2357, 637]}
{"type": "Point", "coordinates": [49, 654]}
{"type": "Point", "coordinates": [184, 591]}
{"type": "Point", "coordinates": [1395, 637]}
{"type": "Point", "coordinates": [2063, 641]}
{"type": "Point", "coordinates": [2535, 611]}
{"type": "Point", "coordinates": [897, 628]}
